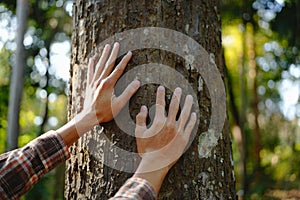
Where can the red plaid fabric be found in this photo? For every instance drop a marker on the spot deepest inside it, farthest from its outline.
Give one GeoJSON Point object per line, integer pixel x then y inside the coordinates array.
{"type": "Point", "coordinates": [21, 168]}
{"type": "Point", "coordinates": [137, 189]}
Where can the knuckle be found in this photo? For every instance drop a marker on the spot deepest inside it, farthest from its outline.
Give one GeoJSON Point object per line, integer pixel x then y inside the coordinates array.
{"type": "Point", "coordinates": [170, 126]}
{"type": "Point", "coordinates": [106, 66]}
{"type": "Point", "coordinates": [120, 67]}
{"type": "Point", "coordinates": [124, 59]}
{"type": "Point", "coordinates": [106, 82]}
{"type": "Point", "coordinates": [131, 89]}
{"type": "Point", "coordinates": [175, 99]}
{"type": "Point", "coordinates": [117, 70]}
{"type": "Point", "coordinates": [184, 115]}
{"type": "Point", "coordinates": [109, 64]}
{"type": "Point", "coordinates": [188, 127]}
{"type": "Point", "coordinates": [158, 123]}
{"type": "Point", "coordinates": [139, 116]}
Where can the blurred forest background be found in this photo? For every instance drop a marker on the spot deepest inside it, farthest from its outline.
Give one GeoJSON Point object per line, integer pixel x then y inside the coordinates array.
{"type": "Point", "coordinates": [261, 41]}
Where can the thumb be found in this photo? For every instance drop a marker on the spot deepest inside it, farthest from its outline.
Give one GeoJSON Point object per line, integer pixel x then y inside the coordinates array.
{"type": "Point", "coordinates": [141, 122]}
{"type": "Point", "coordinates": [126, 95]}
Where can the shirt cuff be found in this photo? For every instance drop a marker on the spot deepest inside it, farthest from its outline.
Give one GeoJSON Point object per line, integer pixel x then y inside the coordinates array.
{"type": "Point", "coordinates": [136, 188]}
{"type": "Point", "coordinates": [51, 150]}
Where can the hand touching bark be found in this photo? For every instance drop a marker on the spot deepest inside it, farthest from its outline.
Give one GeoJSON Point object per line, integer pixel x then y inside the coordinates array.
{"type": "Point", "coordinates": [166, 139]}
{"type": "Point", "coordinates": [100, 103]}
{"type": "Point", "coordinates": [161, 145]}
{"type": "Point", "coordinates": [101, 80]}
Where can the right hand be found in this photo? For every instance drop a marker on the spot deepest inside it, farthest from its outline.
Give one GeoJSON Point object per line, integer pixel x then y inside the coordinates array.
{"type": "Point", "coordinates": [161, 145]}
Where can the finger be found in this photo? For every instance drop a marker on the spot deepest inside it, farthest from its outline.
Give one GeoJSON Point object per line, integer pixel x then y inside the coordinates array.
{"type": "Point", "coordinates": [121, 100]}
{"type": "Point", "coordinates": [181, 139]}
{"type": "Point", "coordinates": [185, 113]}
{"type": "Point", "coordinates": [111, 61]}
{"type": "Point", "coordinates": [174, 105]}
{"type": "Point", "coordinates": [101, 63]}
{"type": "Point", "coordinates": [118, 71]}
{"type": "Point", "coordinates": [141, 122]}
{"type": "Point", "coordinates": [189, 127]}
{"type": "Point", "coordinates": [141, 117]}
{"type": "Point", "coordinates": [160, 103]}
{"type": "Point", "coordinates": [90, 71]}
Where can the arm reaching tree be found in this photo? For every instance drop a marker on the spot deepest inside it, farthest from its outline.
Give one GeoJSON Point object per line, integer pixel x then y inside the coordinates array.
{"type": "Point", "coordinates": [21, 168]}
{"type": "Point", "coordinates": [100, 102]}
{"type": "Point", "coordinates": [161, 145]}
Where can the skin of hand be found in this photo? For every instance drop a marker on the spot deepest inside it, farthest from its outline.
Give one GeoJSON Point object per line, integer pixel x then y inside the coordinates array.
{"type": "Point", "coordinates": [100, 103]}
{"type": "Point", "coordinates": [161, 145]}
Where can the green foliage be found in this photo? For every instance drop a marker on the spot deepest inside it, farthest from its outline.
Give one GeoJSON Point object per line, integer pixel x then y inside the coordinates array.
{"type": "Point", "coordinates": [4, 91]}
{"type": "Point", "coordinates": [43, 104]}
{"type": "Point", "coordinates": [286, 25]}
{"type": "Point", "coordinates": [272, 26]}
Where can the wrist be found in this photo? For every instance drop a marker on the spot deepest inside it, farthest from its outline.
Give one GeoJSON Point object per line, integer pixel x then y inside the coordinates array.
{"type": "Point", "coordinates": [84, 122]}
{"type": "Point", "coordinates": [76, 127]}
{"type": "Point", "coordinates": [154, 177]}
{"type": "Point", "coordinates": [68, 133]}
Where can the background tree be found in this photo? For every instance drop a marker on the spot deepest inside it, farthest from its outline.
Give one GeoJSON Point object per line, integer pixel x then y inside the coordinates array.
{"type": "Point", "coordinates": [16, 83]}
{"type": "Point", "coordinates": [275, 34]}
{"type": "Point", "coordinates": [275, 54]}
{"type": "Point", "coordinates": [191, 177]}
{"type": "Point", "coordinates": [43, 99]}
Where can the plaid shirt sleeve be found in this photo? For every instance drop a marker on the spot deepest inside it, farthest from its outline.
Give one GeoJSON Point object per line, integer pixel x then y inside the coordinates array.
{"type": "Point", "coordinates": [21, 168]}
{"type": "Point", "coordinates": [137, 189]}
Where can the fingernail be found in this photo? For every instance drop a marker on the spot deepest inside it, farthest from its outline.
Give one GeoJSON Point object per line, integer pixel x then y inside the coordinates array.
{"type": "Point", "coordinates": [178, 90]}
{"type": "Point", "coordinates": [129, 53]}
{"type": "Point", "coordinates": [190, 97]}
{"type": "Point", "coordinates": [117, 44]}
{"type": "Point", "coordinates": [161, 88]}
{"type": "Point", "coordinates": [136, 83]}
{"type": "Point", "coordinates": [194, 114]}
{"type": "Point", "coordinates": [143, 108]}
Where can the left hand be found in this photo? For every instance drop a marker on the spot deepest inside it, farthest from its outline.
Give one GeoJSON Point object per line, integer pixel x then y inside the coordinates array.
{"type": "Point", "coordinates": [100, 103]}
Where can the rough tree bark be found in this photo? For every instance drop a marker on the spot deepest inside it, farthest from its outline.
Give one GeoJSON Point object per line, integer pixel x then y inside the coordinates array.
{"type": "Point", "coordinates": [192, 177]}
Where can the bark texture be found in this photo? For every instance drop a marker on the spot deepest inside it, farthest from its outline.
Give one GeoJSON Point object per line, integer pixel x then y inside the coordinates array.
{"type": "Point", "coordinates": [192, 177]}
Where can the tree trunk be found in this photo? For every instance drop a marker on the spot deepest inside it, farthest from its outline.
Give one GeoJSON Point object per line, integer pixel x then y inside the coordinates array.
{"type": "Point", "coordinates": [17, 79]}
{"type": "Point", "coordinates": [257, 146]}
{"type": "Point", "coordinates": [200, 173]}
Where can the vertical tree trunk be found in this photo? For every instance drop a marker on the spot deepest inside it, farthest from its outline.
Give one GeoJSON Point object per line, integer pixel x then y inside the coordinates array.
{"type": "Point", "coordinates": [192, 177]}
{"type": "Point", "coordinates": [243, 110]}
{"type": "Point", "coordinates": [17, 79]}
{"type": "Point", "coordinates": [257, 146]}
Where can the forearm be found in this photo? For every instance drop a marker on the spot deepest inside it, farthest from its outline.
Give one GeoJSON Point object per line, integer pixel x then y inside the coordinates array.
{"type": "Point", "coordinates": [23, 167]}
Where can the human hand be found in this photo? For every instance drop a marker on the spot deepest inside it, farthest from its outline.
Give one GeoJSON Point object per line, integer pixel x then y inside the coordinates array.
{"type": "Point", "coordinates": [100, 103]}
{"type": "Point", "coordinates": [163, 143]}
